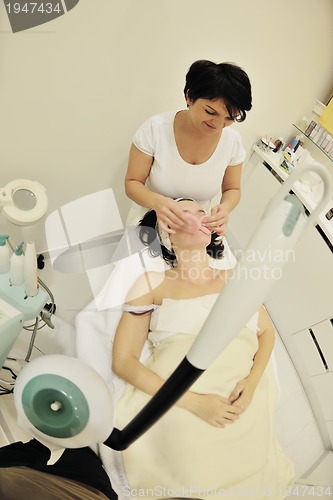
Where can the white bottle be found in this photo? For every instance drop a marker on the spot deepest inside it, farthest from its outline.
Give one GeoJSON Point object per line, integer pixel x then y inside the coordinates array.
{"type": "Point", "coordinates": [16, 266]}
{"type": "Point", "coordinates": [329, 145]}
{"type": "Point", "coordinates": [318, 135]}
{"type": "Point", "coordinates": [30, 269]}
{"type": "Point", "coordinates": [4, 254]}
{"type": "Point", "coordinates": [322, 140]}
{"type": "Point", "coordinates": [314, 132]}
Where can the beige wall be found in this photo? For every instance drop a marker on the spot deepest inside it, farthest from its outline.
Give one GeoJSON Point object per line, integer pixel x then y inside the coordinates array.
{"type": "Point", "coordinates": [73, 91]}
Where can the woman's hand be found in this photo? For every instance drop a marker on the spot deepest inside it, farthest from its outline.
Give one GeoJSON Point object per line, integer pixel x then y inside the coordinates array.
{"type": "Point", "coordinates": [243, 393]}
{"type": "Point", "coordinates": [218, 219]}
{"type": "Point", "coordinates": [170, 217]}
{"type": "Point", "coordinates": [214, 409]}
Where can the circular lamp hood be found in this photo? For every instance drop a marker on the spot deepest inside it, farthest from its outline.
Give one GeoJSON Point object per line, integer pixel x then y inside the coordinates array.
{"type": "Point", "coordinates": [23, 202]}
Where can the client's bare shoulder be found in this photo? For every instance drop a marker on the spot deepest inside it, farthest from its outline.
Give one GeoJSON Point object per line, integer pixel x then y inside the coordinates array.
{"type": "Point", "coordinates": [146, 288]}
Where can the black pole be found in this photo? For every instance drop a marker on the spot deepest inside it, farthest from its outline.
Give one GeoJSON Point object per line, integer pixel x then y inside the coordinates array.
{"type": "Point", "coordinates": [174, 387]}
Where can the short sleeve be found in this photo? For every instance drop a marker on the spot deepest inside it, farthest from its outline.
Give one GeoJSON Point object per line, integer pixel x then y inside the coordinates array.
{"type": "Point", "coordinates": [144, 138]}
{"type": "Point", "coordinates": [252, 324]}
{"type": "Point", "coordinates": [238, 152]}
{"type": "Point", "coordinates": [139, 310]}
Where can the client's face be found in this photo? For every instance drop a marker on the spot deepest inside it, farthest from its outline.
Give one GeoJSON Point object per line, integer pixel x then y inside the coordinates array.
{"type": "Point", "coordinates": [194, 234]}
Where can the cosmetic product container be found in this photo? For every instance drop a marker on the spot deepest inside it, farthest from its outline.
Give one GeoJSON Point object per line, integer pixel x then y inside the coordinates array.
{"type": "Point", "coordinates": [310, 128]}
{"type": "Point", "coordinates": [30, 270]}
{"type": "Point", "coordinates": [322, 144]}
{"type": "Point", "coordinates": [4, 254]}
{"type": "Point", "coordinates": [329, 144]}
{"type": "Point", "coordinates": [16, 266]}
{"type": "Point", "coordinates": [303, 123]}
{"type": "Point", "coordinates": [318, 135]}
{"type": "Point", "coordinates": [314, 132]}
{"type": "Point", "coordinates": [294, 142]}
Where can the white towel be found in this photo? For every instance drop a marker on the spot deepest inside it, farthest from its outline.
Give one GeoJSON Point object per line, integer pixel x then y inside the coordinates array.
{"type": "Point", "coordinates": [96, 325]}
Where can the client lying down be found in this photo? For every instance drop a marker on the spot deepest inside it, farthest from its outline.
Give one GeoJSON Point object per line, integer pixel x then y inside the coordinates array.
{"type": "Point", "coordinates": [218, 441]}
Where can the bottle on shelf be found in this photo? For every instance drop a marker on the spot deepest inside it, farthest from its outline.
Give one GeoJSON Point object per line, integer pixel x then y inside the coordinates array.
{"type": "Point", "coordinates": [310, 128]}
{"type": "Point", "coordinates": [287, 161]}
{"type": "Point", "coordinates": [4, 254]}
{"type": "Point", "coordinates": [318, 137]}
{"type": "Point", "coordinates": [324, 140]}
{"type": "Point", "coordinates": [303, 124]}
{"type": "Point", "coordinates": [16, 266]}
{"type": "Point", "coordinates": [30, 270]}
{"type": "Point", "coordinates": [329, 145]}
{"type": "Point", "coordinates": [295, 142]}
{"type": "Point", "coordinates": [314, 132]}
{"type": "Point", "coordinates": [279, 144]}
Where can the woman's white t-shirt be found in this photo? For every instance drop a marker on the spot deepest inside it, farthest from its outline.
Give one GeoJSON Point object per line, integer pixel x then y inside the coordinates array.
{"type": "Point", "coordinates": [171, 176]}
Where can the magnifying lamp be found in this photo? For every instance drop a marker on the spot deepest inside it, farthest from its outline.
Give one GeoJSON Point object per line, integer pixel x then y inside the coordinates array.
{"type": "Point", "coordinates": [63, 402]}
{"type": "Point", "coordinates": [23, 202]}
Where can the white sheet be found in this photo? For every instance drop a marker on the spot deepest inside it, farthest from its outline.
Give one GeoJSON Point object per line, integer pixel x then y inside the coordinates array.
{"type": "Point", "coordinates": [95, 329]}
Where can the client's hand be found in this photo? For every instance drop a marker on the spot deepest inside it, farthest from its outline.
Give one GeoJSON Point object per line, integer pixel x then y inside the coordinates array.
{"type": "Point", "coordinates": [243, 393]}
{"type": "Point", "coordinates": [214, 409]}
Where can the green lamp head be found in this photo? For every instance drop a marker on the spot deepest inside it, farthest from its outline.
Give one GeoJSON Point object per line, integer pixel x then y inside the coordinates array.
{"type": "Point", "coordinates": [63, 402]}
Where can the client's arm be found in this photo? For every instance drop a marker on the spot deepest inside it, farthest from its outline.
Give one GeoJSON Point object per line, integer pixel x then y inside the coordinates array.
{"type": "Point", "coordinates": [244, 390]}
{"type": "Point", "coordinates": [129, 340]}
{"type": "Point", "coordinates": [130, 337]}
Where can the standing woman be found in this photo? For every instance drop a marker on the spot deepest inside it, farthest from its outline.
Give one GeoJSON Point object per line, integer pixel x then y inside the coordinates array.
{"type": "Point", "coordinates": [193, 152]}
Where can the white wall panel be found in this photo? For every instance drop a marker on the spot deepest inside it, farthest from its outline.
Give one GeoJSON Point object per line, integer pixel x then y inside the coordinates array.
{"type": "Point", "coordinates": [323, 385]}
{"type": "Point", "coordinates": [324, 335]}
{"type": "Point", "coordinates": [309, 352]}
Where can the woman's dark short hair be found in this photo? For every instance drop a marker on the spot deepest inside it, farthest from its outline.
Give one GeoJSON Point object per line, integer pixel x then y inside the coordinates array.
{"type": "Point", "coordinates": [227, 81]}
{"type": "Point", "coordinates": [149, 237]}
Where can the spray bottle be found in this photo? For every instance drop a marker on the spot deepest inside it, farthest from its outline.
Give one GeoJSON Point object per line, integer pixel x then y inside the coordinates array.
{"type": "Point", "coordinates": [16, 266]}
{"type": "Point", "coordinates": [30, 269]}
{"type": "Point", "coordinates": [4, 254]}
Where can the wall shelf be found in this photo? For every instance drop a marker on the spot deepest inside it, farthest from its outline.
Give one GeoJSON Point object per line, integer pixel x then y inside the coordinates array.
{"type": "Point", "coordinates": [309, 200]}
{"type": "Point", "coordinates": [318, 147]}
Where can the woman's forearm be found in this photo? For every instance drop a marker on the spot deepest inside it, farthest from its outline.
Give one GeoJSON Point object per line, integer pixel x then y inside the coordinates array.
{"type": "Point", "coordinates": [142, 378]}
{"type": "Point", "coordinates": [230, 199]}
{"type": "Point", "coordinates": [141, 195]}
{"type": "Point", "coordinates": [230, 188]}
{"type": "Point", "coordinates": [266, 344]}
